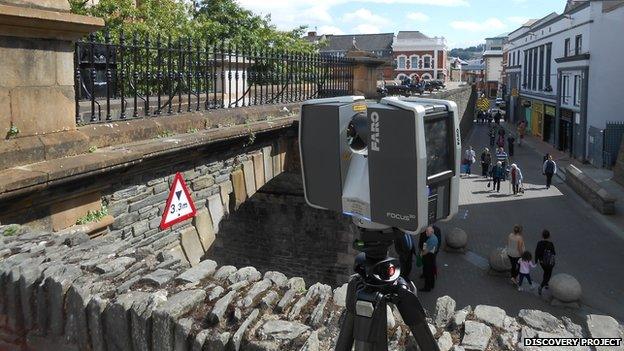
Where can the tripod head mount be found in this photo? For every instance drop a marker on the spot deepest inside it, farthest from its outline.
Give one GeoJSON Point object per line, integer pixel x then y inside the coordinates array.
{"type": "Point", "coordinates": [373, 263]}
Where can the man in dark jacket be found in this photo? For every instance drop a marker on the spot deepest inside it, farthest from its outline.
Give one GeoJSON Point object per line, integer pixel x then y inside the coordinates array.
{"type": "Point", "coordinates": [549, 168]}
{"type": "Point", "coordinates": [510, 144]}
{"type": "Point", "coordinates": [545, 256]}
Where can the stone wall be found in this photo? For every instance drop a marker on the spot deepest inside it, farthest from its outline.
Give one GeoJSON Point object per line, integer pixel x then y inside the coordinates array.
{"type": "Point", "coordinates": [589, 190]}
{"type": "Point", "coordinates": [275, 229]}
{"type": "Point", "coordinates": [67, 292]}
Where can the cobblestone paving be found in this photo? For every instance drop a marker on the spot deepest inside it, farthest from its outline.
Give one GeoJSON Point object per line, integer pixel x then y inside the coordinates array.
{"type": "Point", "coordinates": [586, 248]}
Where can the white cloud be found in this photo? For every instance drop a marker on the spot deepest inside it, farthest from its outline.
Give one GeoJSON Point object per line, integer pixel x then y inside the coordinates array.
{"type": "Point", "coordinates": [417, 16]}
{"type": "Point", "coordinates": [365, 16]}
{"type": "Point", "coordinates": [473, 26]}
{"type": "Point", "coordinates": [366, 29]}
{"type": "Point", "coordinates": [330, 30]}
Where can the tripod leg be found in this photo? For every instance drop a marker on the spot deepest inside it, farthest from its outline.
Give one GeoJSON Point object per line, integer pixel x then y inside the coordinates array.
{"type": "Point", "coordinates": [413, 315]}
{"type": "Point", "coordinates": [345, 338]}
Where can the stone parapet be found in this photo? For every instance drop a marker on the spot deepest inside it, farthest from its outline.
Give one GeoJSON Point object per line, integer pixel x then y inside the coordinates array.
{"type": "Point", "coordinates": [589, 190]}
{"type": "Point", "coordinates": [64, 291]}
{"type": "Point", "coordinates": [36, 75]}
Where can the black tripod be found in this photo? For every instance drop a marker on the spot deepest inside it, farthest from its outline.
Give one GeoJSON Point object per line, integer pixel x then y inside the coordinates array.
{"type": "Point", "coordinates": [378, 282]}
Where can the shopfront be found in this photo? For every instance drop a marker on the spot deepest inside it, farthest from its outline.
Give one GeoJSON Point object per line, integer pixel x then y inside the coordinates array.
{"type": "Point", "coordinates": [566, 118]}
{"type": "Point", "coordinates": [549, 123]}
{"type": "Point", "coordinates": [537, 118]}
{"type": "Point", "coordinates": [524, 113]}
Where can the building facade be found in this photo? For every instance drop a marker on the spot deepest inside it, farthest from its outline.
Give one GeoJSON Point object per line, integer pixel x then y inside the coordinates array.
{"type": "Point", "coordinates": [493, 61]}
{"type": "Point", "coordinates": [419, 57]}
{"type": "Point", "coordinates": [562, 78]}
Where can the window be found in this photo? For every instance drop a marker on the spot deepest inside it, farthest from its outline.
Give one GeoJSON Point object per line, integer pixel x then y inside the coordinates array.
{"type": "Point", "coordinates": [548, 67]}
{"type": "Point", "coordinates": [401, 76]}
{"type": "Point", "coordinates": [541, 68]}
{"type": "Point", "coordinates": [565, 86]}
{"type": "Point", "coordinates": [566, 47]}
{"type": "Point", "coordinates": [526, 67]}
{"type": "Point", "coordinates": [578, 44]}
{"type": "Point", "coordinates": [401, 62]}
{"type": "Point", "coordinates": [427, 61]}
{"type": "Point", "coordinates": [413, 61]}
{"type": "Point", "coordinates": [534, 80]}
{"type": "Point", "coordinates": [577, 90]}
{"type": "Point", "coordinates": [426, 76]}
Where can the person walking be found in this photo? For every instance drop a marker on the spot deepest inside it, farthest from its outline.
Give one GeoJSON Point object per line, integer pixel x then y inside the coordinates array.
{"type": "Point", "coordinates": [486, 161]}
{"type": "Point", "coordinates": [545, 256]}
{"type": "Point", "coordinates": [498, 174]}
{"type": "Point", "coordinates": [502, 156]}
{"type": "Point", "coordinates": [404, 246]}
{"type": "Point", "coordinates": [549, 168]}
{"type": "Point", "coordinates": [428, 252]}
{"type": "Point", "coordinates": [521, 131]}
{"type": "Point", "coordinates": [497, 117]}
{"type": "Point", "coordinates": [515, 248]}
{"type": "Point", "coordinates": [516, 178]}
{"type": "Point", "coordinates": [492, 134]}
{"type": "Point", "coordinates": [510, 144]}
{"type": "Point", "coordinates": [469, 158]}
{"type": "Point", "coordinates": [525, 265]}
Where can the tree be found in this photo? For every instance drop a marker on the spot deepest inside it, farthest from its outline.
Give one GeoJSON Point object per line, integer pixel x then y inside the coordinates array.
{"type": "Point", "coordinates": [204, 20]}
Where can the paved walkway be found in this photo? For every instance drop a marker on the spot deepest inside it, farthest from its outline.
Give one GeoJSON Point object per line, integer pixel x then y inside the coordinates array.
{"type": "Point", "coordinates": [602, 176]}
{"type": "Point", "coordinates": [586, 247]}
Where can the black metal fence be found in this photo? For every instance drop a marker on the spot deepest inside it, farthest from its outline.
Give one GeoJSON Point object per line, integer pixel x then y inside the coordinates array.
{"type": "Point", "coordinates": [140, 77]}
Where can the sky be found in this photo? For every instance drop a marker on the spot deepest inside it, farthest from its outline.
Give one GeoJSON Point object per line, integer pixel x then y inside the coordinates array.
{"type": "Point", "coordinates": [462, 22]}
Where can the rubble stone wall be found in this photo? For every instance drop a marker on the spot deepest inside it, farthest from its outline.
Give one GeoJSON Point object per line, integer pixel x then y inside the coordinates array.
{"type": "Point", "coordinates": [68, 292]}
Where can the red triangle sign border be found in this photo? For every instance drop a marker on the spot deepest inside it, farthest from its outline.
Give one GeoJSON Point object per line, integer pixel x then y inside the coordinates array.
{"type": "Point", "coordinates": [178, 178]}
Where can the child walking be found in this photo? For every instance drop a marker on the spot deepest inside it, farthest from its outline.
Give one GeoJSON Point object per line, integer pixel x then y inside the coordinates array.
{"type": "Point", "coordinates": [526, 263]}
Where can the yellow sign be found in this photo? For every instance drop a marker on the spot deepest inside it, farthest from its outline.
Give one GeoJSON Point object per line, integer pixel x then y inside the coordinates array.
{"type": "Point", "coordinates": [483, 103]}
{"type": "Point", "coordinates": [514, 92]}
{"type": "Point", "coordinates": [538, 106]}
{"type": "Point", "coordinates": [359, 108]}
{"type": "Point", "coordinates": [549, 110]}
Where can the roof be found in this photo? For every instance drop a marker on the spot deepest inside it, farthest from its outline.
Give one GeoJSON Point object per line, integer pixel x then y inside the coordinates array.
{"type": "Point", "coordinates": [407, 34]}
{"type": "Point", "coordinates": [365, 42]}
{"type": "Point", "coordinates": [500, 36]}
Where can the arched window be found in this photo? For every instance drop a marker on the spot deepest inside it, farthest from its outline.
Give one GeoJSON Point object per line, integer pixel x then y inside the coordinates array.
{"type": "Point", "coordinates": [401, 76]}
{"type": "Point", "coordinates": [401, 61]}
{"type": "Point", "coordinates": [426, 76]}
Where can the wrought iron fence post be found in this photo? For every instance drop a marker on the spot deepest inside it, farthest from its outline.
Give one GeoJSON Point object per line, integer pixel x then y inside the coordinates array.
{"type": "Point", "coordinates": [135, 73]}
{"type": "Point", "coordinates": [222, 73]}
{"type": "Point", "coordinates": [77, 85]}
{"type": "Point", "coordinates": [159, 75]}
{"type": "Point", "coordinates": [170, 75]}
{"type": "Point", "coordinates": [93, 75]}
{"type": "Point", "coordinates": [147, 75]}
{"type": "Point", "coordinates": [122, 76]}
{"type": "Point", "coordinates": [189, 73]}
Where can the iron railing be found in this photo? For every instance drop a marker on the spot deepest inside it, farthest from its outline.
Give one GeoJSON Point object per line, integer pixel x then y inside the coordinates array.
{"type": "Point", "coordinates": [139, 77]}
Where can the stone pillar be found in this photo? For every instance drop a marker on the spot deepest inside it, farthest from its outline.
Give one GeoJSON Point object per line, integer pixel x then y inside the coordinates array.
{"type": "Point", "coordinates": [232, 87]}
{"type": "Point", "coordinates": [37, 70]}
{"type": "Point", "coordinates": [365, 73]}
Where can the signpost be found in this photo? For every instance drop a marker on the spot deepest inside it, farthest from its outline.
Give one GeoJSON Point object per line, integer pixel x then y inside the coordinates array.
{"type": "Point", "coordinates": [180, 206]}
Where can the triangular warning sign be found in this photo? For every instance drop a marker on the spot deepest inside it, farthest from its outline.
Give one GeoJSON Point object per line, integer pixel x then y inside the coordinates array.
{"type": "Point", "coordinates": [179, 206]}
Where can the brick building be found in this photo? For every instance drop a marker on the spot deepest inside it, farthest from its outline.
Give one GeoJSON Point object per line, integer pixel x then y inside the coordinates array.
{"type": "Point", "coordinates": [419, 57]}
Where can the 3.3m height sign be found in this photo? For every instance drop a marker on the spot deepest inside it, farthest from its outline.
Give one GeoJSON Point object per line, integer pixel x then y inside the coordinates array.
{"type": "Point", "coordinates": [179, 206]}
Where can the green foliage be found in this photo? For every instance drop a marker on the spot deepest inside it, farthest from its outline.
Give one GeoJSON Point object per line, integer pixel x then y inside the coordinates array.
{"type": "Point", "coordinates": [12, 132]}
{"type": "Point", "coordinates": [93, 216]}
{"type": "Point", "coordinates": [469, 53]}
{"type": "Point", "coordinates": [192, 130]}
{"type": "Point", "coordinates": [252, 137]}
{"type": "Point", "coordinates": [211, 21]}
{"type": "Point", "coordinates": [92, 149]}
{"type": "Point", "coordinates": [11, 230]}
{"type": "Point", "coordinates": [165, 134]}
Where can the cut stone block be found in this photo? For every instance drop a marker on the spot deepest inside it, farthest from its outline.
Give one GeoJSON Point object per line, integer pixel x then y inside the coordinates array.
{"type": "Point", "coordinates": [238, 183]}
{"type": "Point", "coordinates": [250, 181]}
{"type": "Point", "coordinates": [215, 206]}
{"type": "Point", "coordinates": [203, 224]}
{"type": "Point", "coordinates": [191, 245]}
{"type": "Point", "coordinates": [258, 164]}
{"type": "Point", "coordinates": [268, 163]}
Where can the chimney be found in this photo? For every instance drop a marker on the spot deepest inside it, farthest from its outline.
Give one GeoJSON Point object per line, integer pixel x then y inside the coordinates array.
{"type": "Point", "coordinates": [311, 34]}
